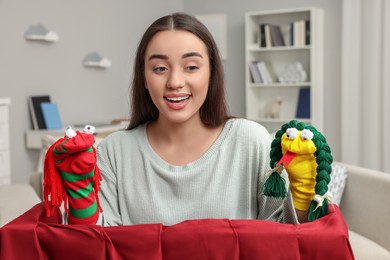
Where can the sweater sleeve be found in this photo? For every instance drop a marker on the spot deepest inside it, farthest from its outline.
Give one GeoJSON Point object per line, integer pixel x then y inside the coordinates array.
{"type": "Point", "coordinates": [274, 209]}
{"type": "Point", "coordinates": [108, 193]}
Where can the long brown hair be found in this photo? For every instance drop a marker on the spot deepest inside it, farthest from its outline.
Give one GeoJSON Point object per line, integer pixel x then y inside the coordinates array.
{"type": "Point", "coordinates": [213, 111]}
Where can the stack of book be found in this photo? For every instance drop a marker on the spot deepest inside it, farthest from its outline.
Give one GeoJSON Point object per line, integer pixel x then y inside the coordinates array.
{"type": "Point", "coordinates": [296, 34]}
{"type": "Point", "coordinates": [44, 113]}
{"type": "Point", "coordinates": [261, 73]}
{"type": "Point", "coordinates": [271, 35]}
{"type": "Point", "coordinates": [300, 33]}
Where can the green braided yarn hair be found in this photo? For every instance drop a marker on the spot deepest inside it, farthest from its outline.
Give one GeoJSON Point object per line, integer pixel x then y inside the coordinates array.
{"type": "Point", "coordinates": [324, 160]}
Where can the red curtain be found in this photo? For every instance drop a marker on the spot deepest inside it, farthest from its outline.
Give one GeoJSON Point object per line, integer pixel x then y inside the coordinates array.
{"type": "Point", "coordinates": [35, 236]}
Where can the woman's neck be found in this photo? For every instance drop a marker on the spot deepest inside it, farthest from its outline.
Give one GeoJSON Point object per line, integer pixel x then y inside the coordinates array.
{"type": "Point", "coordinates": [177, 132]}
{"type": "Point", "coordinates": [181, 143]}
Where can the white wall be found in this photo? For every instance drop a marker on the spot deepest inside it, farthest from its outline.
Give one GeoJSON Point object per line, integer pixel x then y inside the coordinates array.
{"type": "Point", "coordinates": [29, 68]}
{"type": "Point", "coordinates": [235, 64]}
{"type": "Point", "coordinates": [113, 29]}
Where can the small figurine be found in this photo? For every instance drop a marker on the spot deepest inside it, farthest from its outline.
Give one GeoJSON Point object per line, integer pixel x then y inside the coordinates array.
{"type": "Point", "coordinates": [274, 107]}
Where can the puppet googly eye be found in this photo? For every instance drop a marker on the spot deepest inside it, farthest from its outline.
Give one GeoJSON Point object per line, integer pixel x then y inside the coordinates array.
{"type": "Point", "coordinates": [291, 133]}
{"type": "Point", "coordinates": [306, 134]}
{"type": "Point", "coordinates": [69, 132]}
{"type": "Point", "coordinates": [89, 129]}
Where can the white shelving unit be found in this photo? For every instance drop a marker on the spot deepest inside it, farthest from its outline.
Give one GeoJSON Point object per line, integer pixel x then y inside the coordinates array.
{"type": "Point", "coordinates": [259, 95]}
{"type": "Point", "coordinates": [5, 161]}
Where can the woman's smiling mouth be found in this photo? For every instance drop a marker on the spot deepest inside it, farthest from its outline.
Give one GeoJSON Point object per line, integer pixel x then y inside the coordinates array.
{"type": "Point", "coordinates": [177, 102]}
{"type": "Point", "coordinates": [177, 99]}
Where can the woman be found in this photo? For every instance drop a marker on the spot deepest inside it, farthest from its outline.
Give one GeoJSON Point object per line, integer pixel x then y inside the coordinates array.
{"type": "Point", "coordinates": [182, 156]}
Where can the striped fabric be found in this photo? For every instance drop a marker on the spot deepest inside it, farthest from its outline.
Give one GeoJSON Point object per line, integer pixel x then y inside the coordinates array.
{"type": "Point", "coordinates": [75, 161]}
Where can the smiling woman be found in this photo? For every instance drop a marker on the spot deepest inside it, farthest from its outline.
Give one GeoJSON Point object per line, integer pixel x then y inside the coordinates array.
{"type": "Point", "coordinates": [183, 156]}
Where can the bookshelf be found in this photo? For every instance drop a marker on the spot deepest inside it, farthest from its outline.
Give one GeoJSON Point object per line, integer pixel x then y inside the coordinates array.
{"type": "Point", "coordinates": [302, 55]}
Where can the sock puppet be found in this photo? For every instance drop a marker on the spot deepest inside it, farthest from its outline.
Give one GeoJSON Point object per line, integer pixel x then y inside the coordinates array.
{"type": "Point", "coordinates": [71, 176]}
{"type": "Point", "coordinates": [303, 152]}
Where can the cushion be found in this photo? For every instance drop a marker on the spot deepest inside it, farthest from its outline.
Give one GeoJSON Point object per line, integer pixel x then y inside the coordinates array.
{"type": "Point", "coordinates": [337, 182]}
{"type": "Point", "coordinates": [364, 248]}
{"type": "Point", "coordinates": [16, 199]}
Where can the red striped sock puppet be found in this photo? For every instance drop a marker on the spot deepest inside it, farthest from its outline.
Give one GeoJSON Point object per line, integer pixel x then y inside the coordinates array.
{"type": "Point", "coordinates": [71, 176]}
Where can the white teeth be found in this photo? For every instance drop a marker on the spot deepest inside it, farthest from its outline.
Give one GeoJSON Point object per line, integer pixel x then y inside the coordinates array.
{"type": "Point", "coordinates": [177, 99]}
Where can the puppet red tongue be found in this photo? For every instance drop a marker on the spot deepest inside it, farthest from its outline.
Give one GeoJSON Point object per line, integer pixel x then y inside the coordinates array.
{"type": "Point", "coordinates": [286, 158]}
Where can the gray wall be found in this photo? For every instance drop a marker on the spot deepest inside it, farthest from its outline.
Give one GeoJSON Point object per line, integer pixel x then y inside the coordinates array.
{"type": "Point", "coordinates": [114, 29]}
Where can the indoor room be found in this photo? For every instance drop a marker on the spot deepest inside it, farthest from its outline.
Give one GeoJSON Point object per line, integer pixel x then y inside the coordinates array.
{"type": "Point", "coordinates": [322, 63]}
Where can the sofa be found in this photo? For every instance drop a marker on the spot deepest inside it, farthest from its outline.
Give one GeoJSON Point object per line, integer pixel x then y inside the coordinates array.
{"type": "Point", "coordinates": [364, 204]}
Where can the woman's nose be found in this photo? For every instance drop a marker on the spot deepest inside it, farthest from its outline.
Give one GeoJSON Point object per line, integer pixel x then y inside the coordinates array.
{"type": "Point", "coordinates": [176, 79]}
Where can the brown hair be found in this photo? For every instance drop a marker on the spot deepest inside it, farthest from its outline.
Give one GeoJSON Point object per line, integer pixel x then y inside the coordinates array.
{"type": "Point", "coordinates": [214, 111]}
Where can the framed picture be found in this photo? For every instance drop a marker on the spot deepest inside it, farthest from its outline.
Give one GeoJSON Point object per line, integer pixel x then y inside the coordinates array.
{"type": "Point", "coordinates": [217, 25]}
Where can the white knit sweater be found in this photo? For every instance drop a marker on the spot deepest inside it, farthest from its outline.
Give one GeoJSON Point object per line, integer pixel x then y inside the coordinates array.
{"type": "Point", "coordinates": [226, 182]}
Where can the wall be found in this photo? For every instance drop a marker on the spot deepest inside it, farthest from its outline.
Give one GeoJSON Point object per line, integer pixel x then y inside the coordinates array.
{"type": "Point", "coordinates": [82, 94]}
{"type": "Point", "coordinates": [235, 64]}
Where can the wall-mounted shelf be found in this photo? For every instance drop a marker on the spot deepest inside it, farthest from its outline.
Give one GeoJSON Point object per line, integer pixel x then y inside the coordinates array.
{"type": "Point", "coordinates": [94, 59]}
{"type": "Point", "coordinates": [38, 32]}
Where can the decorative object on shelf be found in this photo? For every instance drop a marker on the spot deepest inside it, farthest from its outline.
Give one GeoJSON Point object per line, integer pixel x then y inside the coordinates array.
{"type": "Point", "coordinates": [273, 108]}
{"type": "Point", "coordinates": [38, 32]}
{"type": "Point", "coordinates": [293, 72]}
{"type": "Point", "coordinates": [94, 59]}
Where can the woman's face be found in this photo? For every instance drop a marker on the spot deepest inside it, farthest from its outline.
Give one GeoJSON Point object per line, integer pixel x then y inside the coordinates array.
{"type": "Point", "coordinates": [177, 73]}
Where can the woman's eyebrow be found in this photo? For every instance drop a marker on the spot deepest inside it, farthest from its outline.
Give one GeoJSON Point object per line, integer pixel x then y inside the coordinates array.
{"type": "Point", "coordinates": [158, 56]}
{"type": "Point", "coordinates": [191, 54]}
{"type": "Point", "coordinates": [165, 57]}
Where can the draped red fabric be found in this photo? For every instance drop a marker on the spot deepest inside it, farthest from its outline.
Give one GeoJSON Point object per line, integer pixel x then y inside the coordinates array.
{"type": "Point", "coordinates": [33, 235]}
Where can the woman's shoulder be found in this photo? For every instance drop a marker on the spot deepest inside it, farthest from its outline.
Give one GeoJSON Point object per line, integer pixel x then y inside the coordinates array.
{"type": "Point", "coordinates": [247, 127]}
{"type": "Point", "coordinates": [122, 137]}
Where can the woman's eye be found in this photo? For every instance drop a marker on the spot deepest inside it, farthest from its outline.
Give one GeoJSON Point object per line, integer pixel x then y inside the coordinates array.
{"type": "Point", "coordinates": [159, 69]}
{"type": "Point", "coordinates": [291, 133]}
{"type": "Point", "coordinates": [306, 134]}
{"type": "Point", "coordinates": [192, 68]}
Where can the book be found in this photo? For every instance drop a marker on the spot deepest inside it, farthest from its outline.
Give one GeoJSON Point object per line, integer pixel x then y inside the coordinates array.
{"type": "Point", "coordinates": [268, 40]}
{"type": "Point", "coordinates": [307, 32]}
{"type": "Point", "coordinates": [265, 72]}
{"type": "Point", "coordinates": [303, 108]}
{"type": "Point", "coordinates": [255, 73]}
{"type": "Point", "coordinates": [286, 32]}
{"type": "Point", "coordinates": [51, 115]}
{"type": "Point", "coordinates": [34, 105]}
{"type": "Point", "coordinates": [298, 33]}
{"type": "Point", "coordinates": [276, 35]}
{"type": "Point", "coordinates": [262, 35]}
